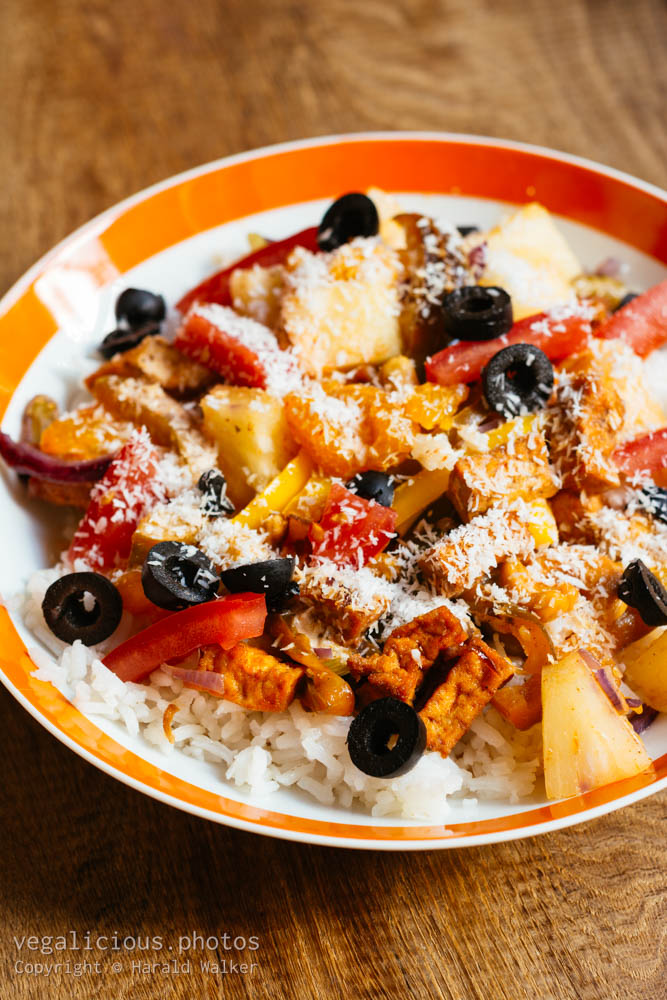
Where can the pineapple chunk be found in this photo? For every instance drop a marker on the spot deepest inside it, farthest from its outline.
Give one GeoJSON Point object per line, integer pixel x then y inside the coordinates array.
{"type": "Point", "coordinates": [254, 442]}
{"type": "Point", "coordinates": [586, 742]}
{"type": "Point", "coordinates": [341, 309]}
{"type": "Point", "coordinates": [528, 257]}
{"type": "Point", "coordinates": [646, 668]}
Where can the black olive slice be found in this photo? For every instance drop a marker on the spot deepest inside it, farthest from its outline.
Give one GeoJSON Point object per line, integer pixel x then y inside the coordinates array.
{"type": "Point", "coordinates": [272, 577]}
{"type": "Point", "coordinates": [83, 606]}
{"type": "Point", "coordinates": [213, 487]}
{"type": "Point", "coordinates": [518, 379]}
{"type": "Point", "coordinates": [124, 339]}
{"type": "Point", "coordinates": [641, 590]}
{"type": "Point", "coordinates": [654, 500]}
{"type": "Point", "coordinates": [467, 230]}
{"type": "Point", "coordinates": [475, 312]}
{"type": "Point", "coordinates": [626, 300]}
{"type": "Point", "coordinates": [386, 739]}
{"type": "Point", "coordinates": [351, 215]}
{"type": "Point", "coordinates": [176, 575]}
{"type": "Point", "coordinates": [373, 485]}
{"type": "Point", "coordinates": [136, 306]}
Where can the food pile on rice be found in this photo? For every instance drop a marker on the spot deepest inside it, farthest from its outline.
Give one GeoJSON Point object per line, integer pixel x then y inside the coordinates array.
{"type": "Point", "coordinates": [385, 520]}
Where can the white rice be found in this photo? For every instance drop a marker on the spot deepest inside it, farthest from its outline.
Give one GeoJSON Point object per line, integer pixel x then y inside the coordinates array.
{"type": "Point", "coordinates": [262, 752]}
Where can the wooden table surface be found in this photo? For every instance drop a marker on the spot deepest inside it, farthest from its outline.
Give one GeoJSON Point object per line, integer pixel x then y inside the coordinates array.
{"type": "Point", "coordinates": [101, 99]}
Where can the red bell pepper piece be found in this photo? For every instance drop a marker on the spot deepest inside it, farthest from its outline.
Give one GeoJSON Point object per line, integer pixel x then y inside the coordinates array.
{"type": "Point", "coordinates": [210, 344]}
{"type": "Point", "coordinates": [642, 324]}
{"type": "Point", "coordinates": [559, 333]}
{"type": "Point", "coordinates": [216, 288]}
{"type": "Point", "coordinates": [647, 454]}
{"type": "Point", "coordinates": [352, 529]}
{"type": "Point", "coordinates": [117, 502]}
{"type": "Point", "coordinates": [224, 621]}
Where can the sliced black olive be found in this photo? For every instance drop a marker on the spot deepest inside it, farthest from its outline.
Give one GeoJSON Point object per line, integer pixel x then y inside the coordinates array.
{"type": "Point", "coordinates": [654, 499]}
{"type": "Point", "coordinates": [83, 606]}
{"type": "Point", "coordinates": [386, 739]}
{"type": "Point", "coordinates": [518, 379]}
{"type": "Point", "coordinates": [372, 485]}
{"type": "Point", "coordinates": [213, 487]}
{"type": "Point", "coordinates": [477, 313]}
{"type": "Point", "coordinates": [123, 339]}
{"type": "Point", "coordinates": [272, 577]}
{"type": "Point", "coordinates": [351, 215]}
{"type": "Point", "coordinates": [467, 230]}
{"type": "Point", "coordinates": [136, 306]}
{"type": "Point", "coordinates": [626, 300]}
{"type": "Point", "coordinates": [640, 589]}
{"type": "Point", "coordinates": [176, 575]}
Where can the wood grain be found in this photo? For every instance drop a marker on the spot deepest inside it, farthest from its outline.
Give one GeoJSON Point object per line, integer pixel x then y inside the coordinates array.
{"type": "Point", "coordinates": [99, 100]}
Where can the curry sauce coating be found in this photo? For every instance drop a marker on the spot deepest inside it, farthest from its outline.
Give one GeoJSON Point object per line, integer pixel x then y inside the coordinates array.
{"type": "Point", "coordinates": [469, 686]}
{"type": "Point", "coordinates": [408, 653]}
{"type": "Point", "coordinates": [519, 471]}
{"type": "Point", "coordinates": [253, 679]}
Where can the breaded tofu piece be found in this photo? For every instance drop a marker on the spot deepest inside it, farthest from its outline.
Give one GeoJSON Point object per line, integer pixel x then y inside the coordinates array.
{"type": "Point", "coordinates": [60, 494]}
{"type": "Point", "coordinates": [434, 264]}
{"type": "Point", "coordinates": [585, 425]}
{"type": "Point", "coordinates": [341, 309]}
{"type": "Point", "coordinates": [470, 551]}
{"type": "Point", "coordinates": [347, 601]}
{"type": "Point", "coordinates": [257, 292]}
{"type": "Point", "coordinates": [573, 513]}
{"type": "Point", "coordinates": [409, 651]}
{"type": "Point", "coordinates": [156, 360]}
{"type": "Point", "coordinates": [164, 523]}
{"type": "Point", "coordinates": [469, 686]}
{"type": "Point", "coordinates": [519, 470]}
{"type": "Point", "coordinates": [254, 679]}
{"type": "Point", "coordinates": [167, 421]}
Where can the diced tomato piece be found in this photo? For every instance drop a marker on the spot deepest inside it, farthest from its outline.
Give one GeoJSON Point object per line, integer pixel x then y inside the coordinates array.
{"type": "Point", "coordinates": [647, 454]}
{"type": "Point", "coordinates": [117, 502]}
{"type": "Point", "coordinates": [352, 529]}
{"type": "Point", "coordinates": [558, 333]}
{"type": "Point", "coordinates": [224, 622]}
{"type": "Point", "coordinates": [216, 288]}
{"type": "Point", "coordinates": [211, 345]}
{"type": "Point", "coordinates": [642, 324]}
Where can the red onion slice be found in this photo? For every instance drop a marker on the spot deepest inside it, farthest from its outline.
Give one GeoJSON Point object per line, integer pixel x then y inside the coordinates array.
{"type": "Point", "coordinates": [324, 652]}
{"type": "Point", "coordinates": [202, 680]}
{"type": "Point", "coordinates": [610, 689]}
{"type": "Point", "coordinates": [30, 461]}
{"type": "Point", "coordinates": [610, 267]}
{"type": "Point", "coordinates": [642, 720]}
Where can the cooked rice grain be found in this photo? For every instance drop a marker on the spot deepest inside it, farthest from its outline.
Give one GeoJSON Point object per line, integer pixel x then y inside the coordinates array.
{"type": "Point", "coordinates": [262, 752]}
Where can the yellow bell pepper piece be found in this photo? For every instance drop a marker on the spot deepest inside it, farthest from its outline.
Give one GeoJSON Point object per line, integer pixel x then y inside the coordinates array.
{"type": "Point", "coordinates": [418, 493]}
{"type": "Point", "coordinates": [521, 427]}
{"type": "Point", "coordinates": [542, 524]}
{"type": "Point", "coordinates": [314, 492]}
{"type": "Point", "coordinates": [278, 493]}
